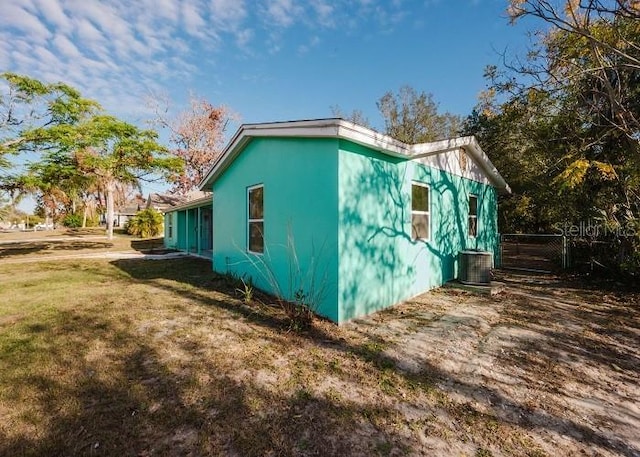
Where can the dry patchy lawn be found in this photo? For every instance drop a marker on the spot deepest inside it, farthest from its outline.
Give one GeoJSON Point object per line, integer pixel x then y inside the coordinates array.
{"type": "Point", "coordinates": [145, 358]}
{"type": "Point", "coordinates": [29, 246]}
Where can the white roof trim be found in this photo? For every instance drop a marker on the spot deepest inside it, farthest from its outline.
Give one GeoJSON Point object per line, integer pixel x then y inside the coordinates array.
{"type": "Point", "coordinates": [339, 128]}
{"type": "Point", "coordinates": [201, 201]}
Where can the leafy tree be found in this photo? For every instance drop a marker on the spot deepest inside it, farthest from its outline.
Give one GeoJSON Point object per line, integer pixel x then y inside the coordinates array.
{"type": "Point", "coordinates": [72, 220]}
{"type": "Point", "coordinates": [356, 116]}
{"type": "Point", "coordinates": [562, 123]}
{"type": "Point", "coordinates": [49, 180]}
{"type": "Point", "coordinates": [413, 117]}
{"type": "Point", "coordinates": [593, 47]}
{"type": "Point", "coordinates": [197, 137]}
{"type": "Point", "coordinates": [75, 189]}
{"type": "Point", "coordinates": [13, 188]}
{"type": "Point", "coordinates": [517, 141]}
{"type": "Point", "coordinates": [30, 111]}
{"type": "Point", "coordinates": [113, 151]}
{"type": "Point", "coordinates": [9, 199]}
{"type": "Point", "coordinates": [28, 105]}
{"type": "Point", "coordinates": [81, 146]}
{"type": "Point", "coordinates": [5, 208]}
{"type": "Point", "coordinates": [146, 223]}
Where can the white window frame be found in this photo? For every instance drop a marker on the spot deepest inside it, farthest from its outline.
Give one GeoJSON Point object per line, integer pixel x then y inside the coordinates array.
{"type": "Point", "coordinates": [250, 220]}
{"type": "Point", "coordinates": [170, 225]}
{"type": "Point", "coordinates": [475, 216]}
{"type": "Point", "coordinates": [427, 213]}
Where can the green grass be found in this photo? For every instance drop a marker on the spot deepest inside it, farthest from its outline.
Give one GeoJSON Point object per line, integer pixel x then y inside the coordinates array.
{"type": "Point", "coordinates": [31, 245]}
{"type": "Point", "coordinates": [135, 357]}
{"type": "Point", "coordinates": [159, 357]}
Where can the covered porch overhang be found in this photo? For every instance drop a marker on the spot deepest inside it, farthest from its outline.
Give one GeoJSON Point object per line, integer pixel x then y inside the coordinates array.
{"type": "Point", "coordinates": [191, 227]}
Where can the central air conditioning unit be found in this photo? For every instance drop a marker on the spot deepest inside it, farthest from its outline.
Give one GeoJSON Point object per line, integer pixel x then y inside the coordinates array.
{"type": "Point", "coordinates": [475, 267]}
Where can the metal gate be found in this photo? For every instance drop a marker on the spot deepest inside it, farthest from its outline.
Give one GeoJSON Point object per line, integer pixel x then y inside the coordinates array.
{"type": "Point", "coordinates": [534, 252]}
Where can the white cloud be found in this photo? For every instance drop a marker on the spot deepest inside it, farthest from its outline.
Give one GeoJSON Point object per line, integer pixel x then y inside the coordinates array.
{"type": "Point", "coordinates": [193, 21]}
{"type": "Point", "coordinates": [325, 13]}
{"type": "Point", "coordinates": [53, 12]}
{"type": "Point", "coordinates": [305, 48]}
{"type": "Point", "coordinates": [228, 14]}
{"type": "Point", "coordinates": [87, 32]}
{"type": "Point", "coordinates": [243, 37]}
{"type": "Point", "coordinates": [118, 50]}
{"type": "Point", "coordinates": [15, 16]}
{"type": "Point", "coordinates": [166, 9]}
{"type": "Point", "coordinates": [283, 13]}
{"type": "Point", "coordinates": [231, 16]}
{"type": "Point", "coordinates": [66, 47]}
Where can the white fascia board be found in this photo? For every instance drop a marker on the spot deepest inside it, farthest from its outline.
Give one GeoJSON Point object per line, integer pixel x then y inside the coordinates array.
{"type": "Point", "coordinates": [331, 128]}
{"type": "Point", "coordinates": [202, 201]}
{"type": "Point", "coordinates": [372, 139]}
{"type": "Point", "coordinates": [313, 123]}
{"type": "Point", "coordinates": [438, 147]}
{"type": "Point", "coordinates": [288, 131]}
{"type": "Point", "coordinates": [323, 128]}
{"type": "Point", "coordinates": [490, 170]}
{"type": "Point", "coordinates": [228, 154]}
{"type": "Point", "coordinates": [471, 146]}
{"type": "Point", "coordinates": [339, 128]}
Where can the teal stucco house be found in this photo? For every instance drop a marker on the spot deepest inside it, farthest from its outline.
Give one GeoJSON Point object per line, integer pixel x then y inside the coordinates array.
{"type": "Point", "coordinates": [337, 213]}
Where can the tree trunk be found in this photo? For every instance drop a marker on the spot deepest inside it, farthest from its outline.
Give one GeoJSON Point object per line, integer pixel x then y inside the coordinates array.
{"type": "Point", "coordinates": [109, 190]}
{"type": "Point", "coordinates": [84, 216]}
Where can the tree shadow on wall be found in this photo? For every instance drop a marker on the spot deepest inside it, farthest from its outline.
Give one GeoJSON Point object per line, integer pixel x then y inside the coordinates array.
{"type": "Point", "coordinates": [380, 261]}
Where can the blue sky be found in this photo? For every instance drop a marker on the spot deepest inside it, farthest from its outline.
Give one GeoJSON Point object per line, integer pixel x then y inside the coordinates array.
{"type": "Point", "coordinates": [266, 60]}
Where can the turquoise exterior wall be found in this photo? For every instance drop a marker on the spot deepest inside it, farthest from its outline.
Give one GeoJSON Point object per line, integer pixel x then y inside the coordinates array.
{"type": "Point", "coordinates": [379, 263]}
{"type": "Point", "coordinates": [300, 178]}
{"type": "Point", "coordinates": [192, 229]}
{"type": "Point", "coordinates": [171, 239]}
{"type": "Point", "coordinates": [181, 242]}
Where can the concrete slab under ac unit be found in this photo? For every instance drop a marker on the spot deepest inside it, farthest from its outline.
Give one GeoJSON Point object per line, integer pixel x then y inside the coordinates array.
{"type": "Point", "coordinates": [492, 288]}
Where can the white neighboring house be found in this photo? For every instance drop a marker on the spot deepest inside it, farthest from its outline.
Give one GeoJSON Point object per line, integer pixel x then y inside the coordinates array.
{"type": "Point", "coordinates": [159, 202]}
{"type": "Point", "coordinates": [123, 213]}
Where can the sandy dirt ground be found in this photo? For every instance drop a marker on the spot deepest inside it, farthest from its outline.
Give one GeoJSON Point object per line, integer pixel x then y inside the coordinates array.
{"type": "Point", "coordinates": [558, 361]}
{"type": "Point", "coordinates": [550, 366]}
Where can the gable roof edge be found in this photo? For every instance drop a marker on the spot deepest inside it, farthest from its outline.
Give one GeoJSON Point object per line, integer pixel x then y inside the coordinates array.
{"type": "Point", "coordinates": [342, 129]}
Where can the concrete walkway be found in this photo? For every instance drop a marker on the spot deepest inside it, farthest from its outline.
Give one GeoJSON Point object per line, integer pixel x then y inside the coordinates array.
{"type": "Point", "coordinates": [54, 238]}
{"type": "Point", "coordinates": [110, 255]}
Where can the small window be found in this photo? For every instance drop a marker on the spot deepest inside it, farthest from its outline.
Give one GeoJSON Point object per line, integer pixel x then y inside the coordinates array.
{"type": "Point", "coordinates": [420, 211]}
{"type": "Point", "coordinates": [255, 219]}
{"type": "Point", "coordinates": [170, 225]}
{"type": "Point", "coordinates": [473, 216]}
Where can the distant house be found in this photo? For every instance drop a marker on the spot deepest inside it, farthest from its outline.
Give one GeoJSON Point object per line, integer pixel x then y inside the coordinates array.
{"type": "Point", "coordinates": [123, 213]}
{"type": "Point", "coordinates": [163, 202]}
{"type": "Point", "coordinates": [330, 206]}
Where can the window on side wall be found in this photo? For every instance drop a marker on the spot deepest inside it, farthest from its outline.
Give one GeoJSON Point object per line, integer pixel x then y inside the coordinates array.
{"type": "Point", "coordinates": [420, 211]}
{"type": "Point", "coordinates": [255, 229]}
{"type": "Point", "coordinates": [170, 225]}
{"type": "Point", "coordinates": [473, 215]}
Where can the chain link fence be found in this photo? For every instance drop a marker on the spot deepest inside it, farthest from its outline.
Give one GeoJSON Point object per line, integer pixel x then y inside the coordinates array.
{"type": "Point", "coordinates": [617, 257]}
{"type": "Point", "coordinates": [533, 252]}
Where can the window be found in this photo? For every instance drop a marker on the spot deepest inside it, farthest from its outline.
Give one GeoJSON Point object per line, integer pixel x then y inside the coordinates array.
{"type": "Point", "coordinates": [473, 216]}
{"type": "Point", "coordinates": [255, 231]}
{"type": "Point", "coordinates": [170, 225]}
{"type": "Point", "coordinates": [420, 211]}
